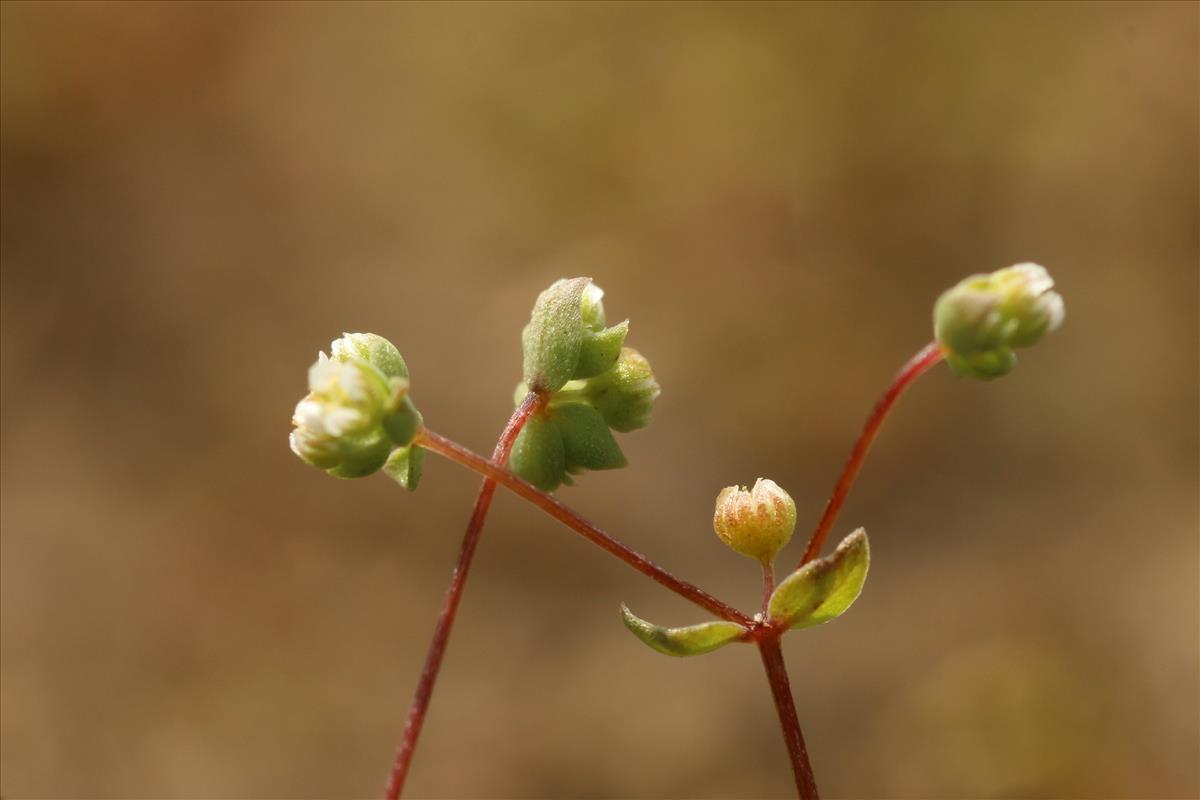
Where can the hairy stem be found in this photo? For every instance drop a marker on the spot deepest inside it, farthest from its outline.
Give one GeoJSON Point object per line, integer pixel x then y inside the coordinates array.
{"type": "Point", "coordinates": [458, 580]}
{"type": "Point", "coordinates": [439, 444]}
{"type": "Point", "coordinates": [793, 738]}
{"type": "Point", "coordinates": [927, 357]}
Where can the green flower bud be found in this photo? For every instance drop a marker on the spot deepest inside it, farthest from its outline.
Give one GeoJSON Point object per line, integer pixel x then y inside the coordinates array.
{"type": "Point", "coordinates": [565, 338]}
{"type": "Point", "coordinates": [625, 394]}
{"type": "Point", "coordinates": [756, 522]}
{"type": "Point", "coordinates": [980, 320]}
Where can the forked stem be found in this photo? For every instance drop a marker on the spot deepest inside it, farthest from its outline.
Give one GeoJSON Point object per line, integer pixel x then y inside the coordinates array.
{"type": "Point", "coordinates": [781, 691]}
{"type": "Point", "coordinates": [926, 357]}
{"type": "Point", "coordinates": [458, 581]}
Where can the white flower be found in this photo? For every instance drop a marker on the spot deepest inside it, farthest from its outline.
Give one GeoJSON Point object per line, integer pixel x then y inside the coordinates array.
{"type": "Point", "coordinates": [346, 401]}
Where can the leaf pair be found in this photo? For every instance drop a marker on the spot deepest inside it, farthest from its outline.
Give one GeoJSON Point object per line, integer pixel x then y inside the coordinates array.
{"type": "Point", "coordinates": [816, 593]}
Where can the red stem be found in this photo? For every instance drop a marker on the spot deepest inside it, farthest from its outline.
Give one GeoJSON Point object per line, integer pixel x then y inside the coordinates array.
{"type": "Point", "coordinates": [781, 690]}
{"type": "Point", "coordinates": [927, 357]}
{"type": "Point", "coordinates": [455, 452]}
{"type": "Point", "coordinates": [458, 580]}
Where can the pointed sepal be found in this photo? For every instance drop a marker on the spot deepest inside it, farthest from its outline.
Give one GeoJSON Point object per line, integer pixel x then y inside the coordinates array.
{"type": "Point", "coordinates": [404, 466]}
{"type": "Point", "coordinates": [692, 640]}
{"type": "Point", "coordinates": [824, 588]}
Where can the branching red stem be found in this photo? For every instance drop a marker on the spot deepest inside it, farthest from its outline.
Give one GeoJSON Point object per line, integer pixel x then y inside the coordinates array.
{"type": "Point", "coordinates": [927, 357]}
{"type": "Point", "coordinates": [458, 581]}
{"type": "Point", "coordinates": [781, 690]}
{"type": "Point", "coordinates": [439, 444]}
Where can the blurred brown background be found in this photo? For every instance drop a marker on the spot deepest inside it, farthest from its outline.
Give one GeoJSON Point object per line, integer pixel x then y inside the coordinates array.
{"type": "Point", "coordinates": [196, 198]}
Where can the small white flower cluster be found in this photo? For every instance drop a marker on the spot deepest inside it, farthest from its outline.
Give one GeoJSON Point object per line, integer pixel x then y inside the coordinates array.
{"type": "Point", "coordinates": [357, 408]}
{"type": "Point", "coordinates": [346, 399]}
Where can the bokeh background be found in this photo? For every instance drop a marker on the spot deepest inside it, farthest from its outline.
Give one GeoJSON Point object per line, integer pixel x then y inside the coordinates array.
{"type": "Point", "coordinates": [198, 197]}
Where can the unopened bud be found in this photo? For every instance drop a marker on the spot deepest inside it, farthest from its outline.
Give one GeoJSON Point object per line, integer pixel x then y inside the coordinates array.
{"type": "Point", "coordinates": [625, 394]}
{"type": "Point", "coordinates": [980, 320]}
{"type": "Point", "coordinates": [757, 522]}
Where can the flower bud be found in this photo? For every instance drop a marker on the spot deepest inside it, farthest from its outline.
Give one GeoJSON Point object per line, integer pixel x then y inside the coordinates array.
{"type": "Point", "coordinates": [625, 394]}
{"type": "Point", "coordinates": [756, 522]}
{"type": "Point", "coordinates": [980, 320]}
{"type": "Point", "coordinates": [566, 338]}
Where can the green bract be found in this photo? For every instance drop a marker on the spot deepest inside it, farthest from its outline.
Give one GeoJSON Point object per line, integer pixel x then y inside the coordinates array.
{"type": "Point", "coordinates": [404, 466]}
{"type": "Point", "coordinates": [357, 409]}
{"type": "Point", "coordinates": [980, 320]}
{"type": "Point", "coordinates": [692, 640]}
{"type": "Point", "coordinates": [824, 588]}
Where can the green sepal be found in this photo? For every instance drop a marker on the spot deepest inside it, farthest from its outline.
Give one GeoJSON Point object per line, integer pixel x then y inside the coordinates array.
{"type": "Point", "coordinates": [587, 441]}
{"type": "Point", "coordinates": [403, 423]}
{"type": "Point", "coordinates": [693, 640]}
{"type": "Point", "coordinates": [985, 366]}
{"type": "Point", "coordinates": [599, 350]}
{"type": "Point", "coordinates": [375, 350]}
{"type": "Point", "coordinates": [552, 340]}
{"type": "Point", "coordinates": [538, 455]}
{"type": "Point", "coordinates": [404, 466]}
{"type": "Point", "coordinates": [824, 588]}
{"type": "Point", "coordinates": [361, 457]}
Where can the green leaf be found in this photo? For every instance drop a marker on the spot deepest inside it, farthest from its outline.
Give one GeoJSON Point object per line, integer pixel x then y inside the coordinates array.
{"type": "Point", "coordinates": [554, 336]}
{"type": "Point", "coordinates": [537, 455]}
{"type": "Point", "coordinates": [600, 350]}
{"type": "Point", "coordinates": [693, 640]}
{"type": "Point", "coordinates": [404, 466]}
{"type": "Point", "coordinates": [824, 588]}
{"type": "Point", "coordinates": [587, 441]}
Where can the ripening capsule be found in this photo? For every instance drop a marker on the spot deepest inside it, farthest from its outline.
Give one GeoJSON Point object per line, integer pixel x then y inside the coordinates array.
{"type": "Point", "coordinates": [755, 522]}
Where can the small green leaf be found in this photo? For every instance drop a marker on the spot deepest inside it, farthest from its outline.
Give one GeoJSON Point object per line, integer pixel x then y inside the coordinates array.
{"type": "Point", "coordinates": [554, 336]}
{"type": "Point", "coordinates": [587, 441]}
{"type": "Point", "coordinates": [404, 466]}
{"type": "Point", "coordinates": [537, 455]}
{"type": "Point", "coordinates": [824, 588]}
{"type": "Point", "coordinates": [600, 350]}
{"type": "Point", "coordinates": [692, 640]}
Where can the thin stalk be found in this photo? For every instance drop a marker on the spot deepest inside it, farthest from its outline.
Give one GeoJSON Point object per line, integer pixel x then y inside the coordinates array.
{"type": "Point", "coordinates": [458, 580]}
{"type": "Point", "coordinates": [439, 444]}
{"type": "Point", "coordinates": [927, 357]}
{"type": "Point", "coordinates": [768, 586]}
{"type": "Point", "coordinates": [793, 738]}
